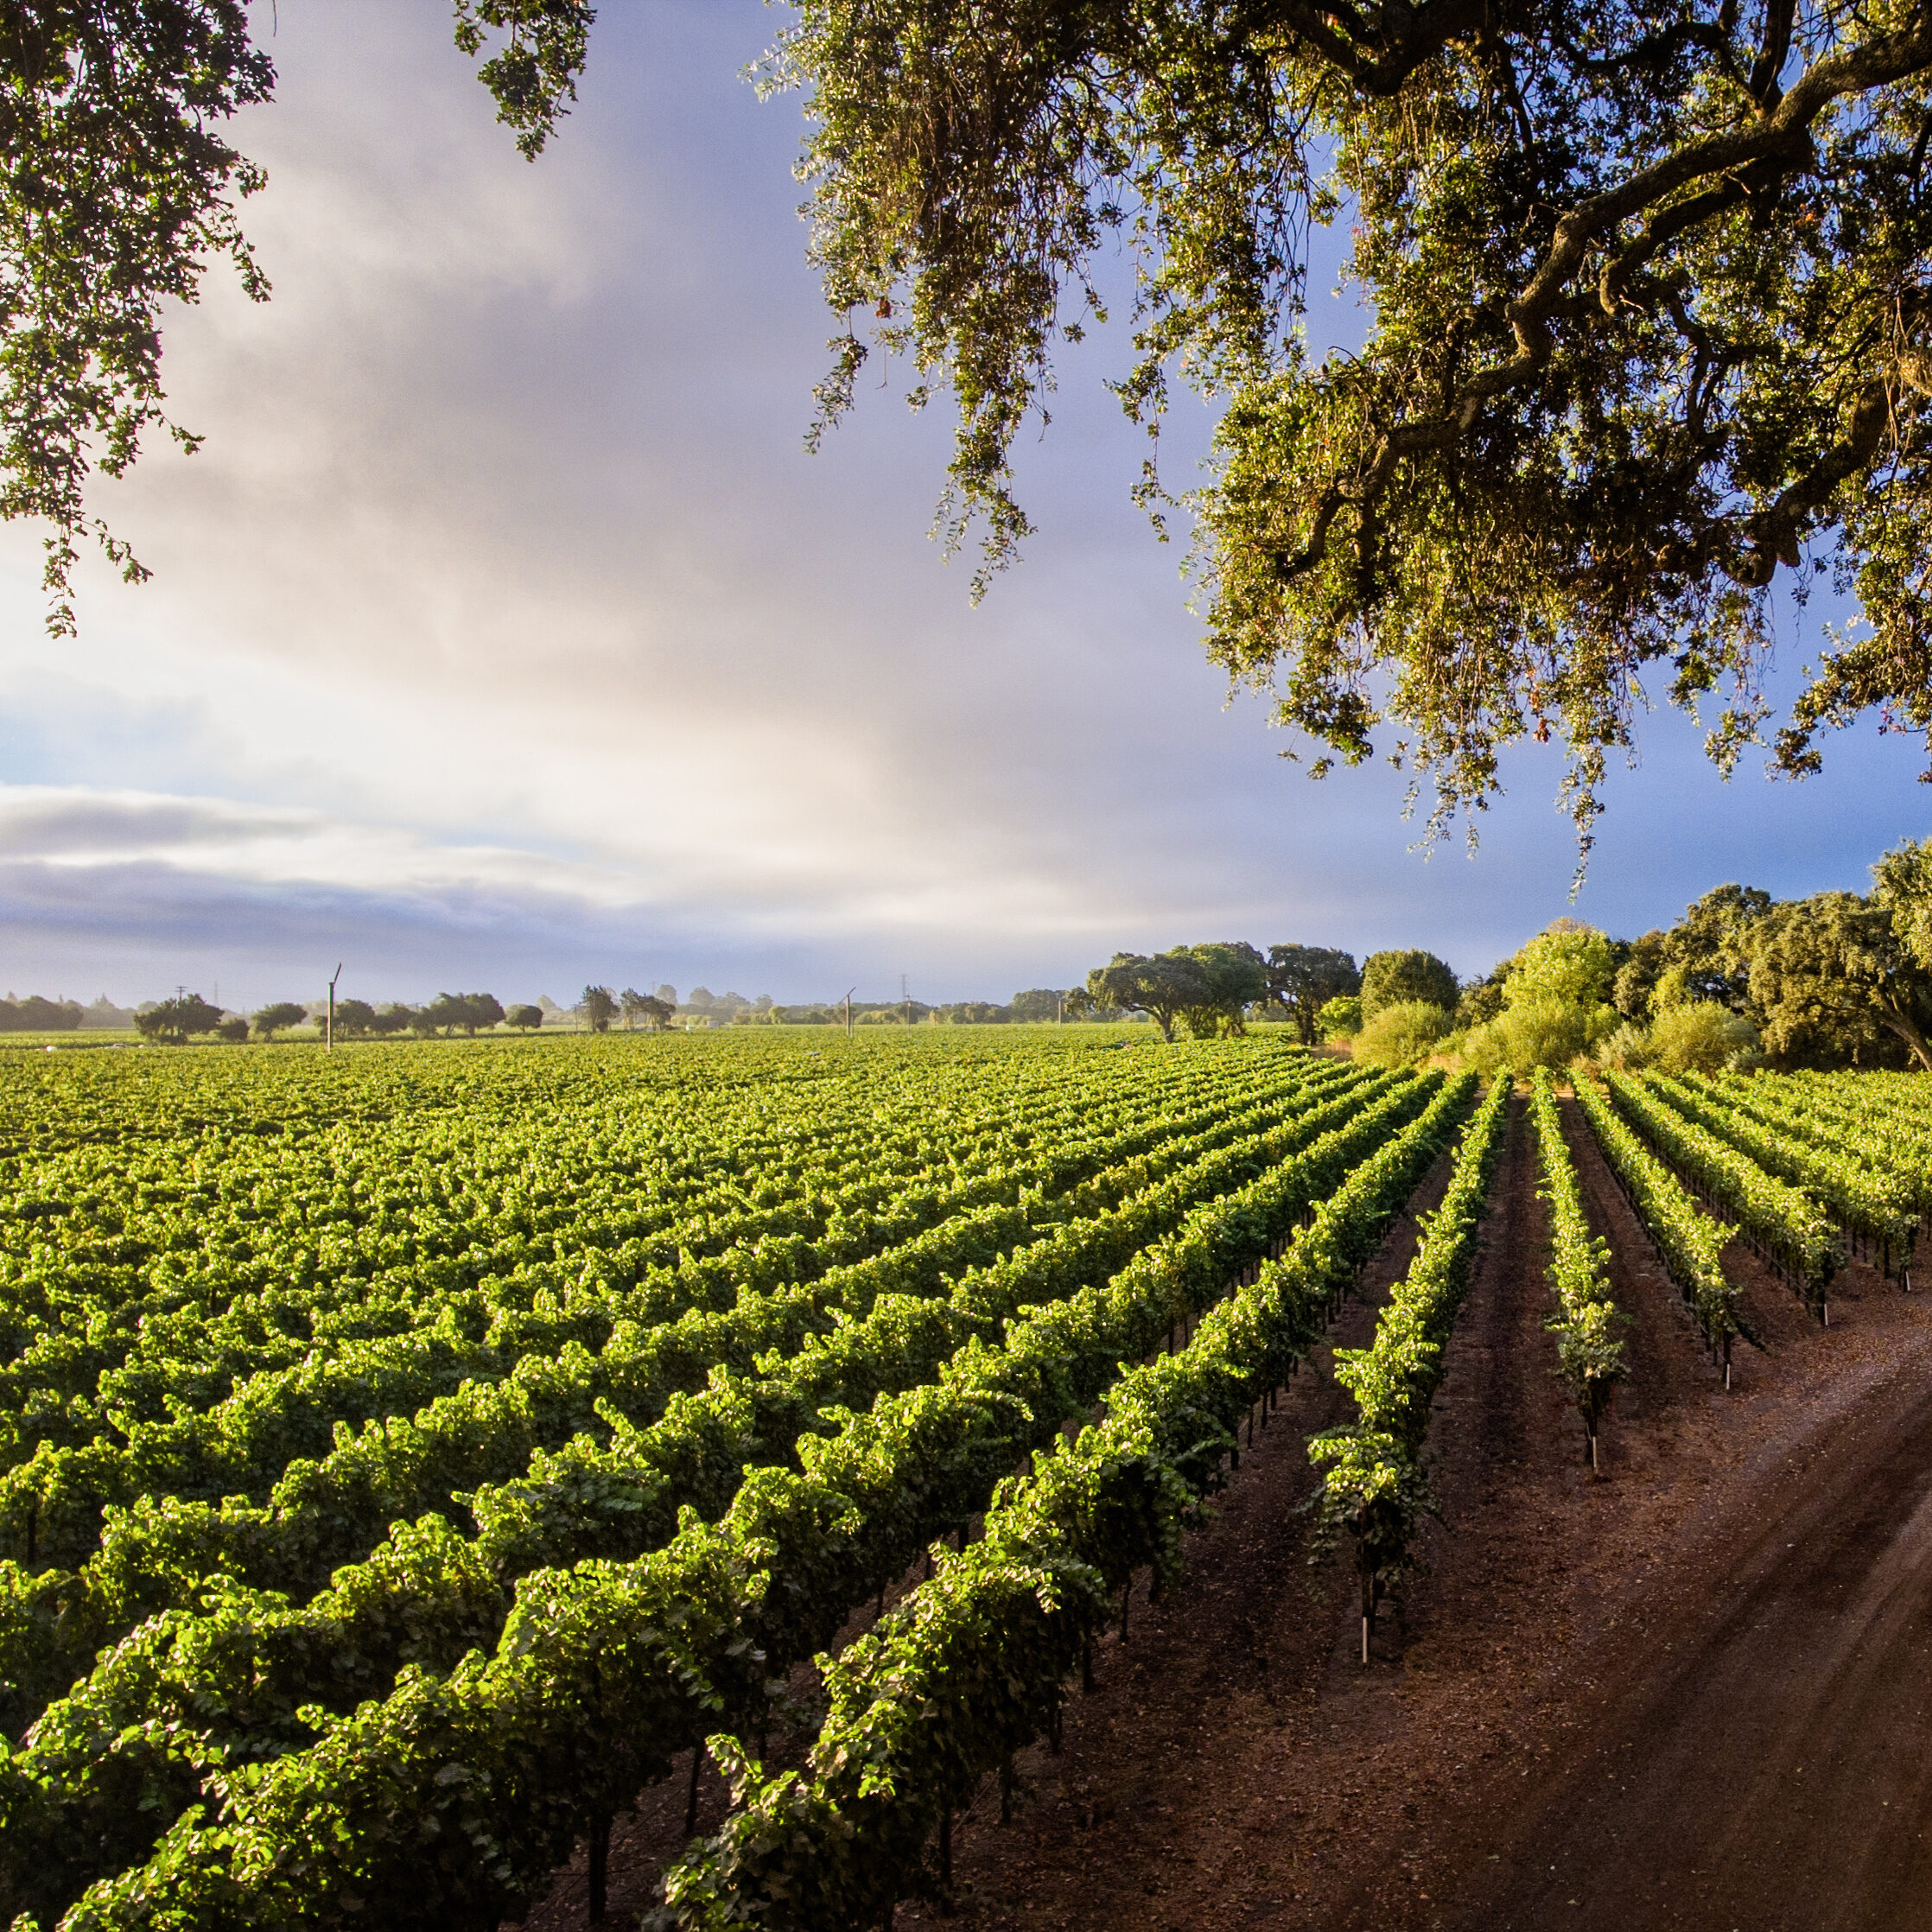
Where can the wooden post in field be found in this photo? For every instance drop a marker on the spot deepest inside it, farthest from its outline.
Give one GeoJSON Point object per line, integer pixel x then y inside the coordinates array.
{"type": "Point", "coordinates": [850, 991]}
{"type": "Point", "coordinates": [329, 1024]}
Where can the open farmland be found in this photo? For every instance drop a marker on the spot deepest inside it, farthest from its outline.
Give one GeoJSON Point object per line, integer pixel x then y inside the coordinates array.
{"type": "Point", "coordinates": [426, 1467]}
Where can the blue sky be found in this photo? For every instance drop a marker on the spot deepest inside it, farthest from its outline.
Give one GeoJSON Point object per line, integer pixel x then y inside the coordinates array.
{"type": "Point", "coordinates": [502, 635]}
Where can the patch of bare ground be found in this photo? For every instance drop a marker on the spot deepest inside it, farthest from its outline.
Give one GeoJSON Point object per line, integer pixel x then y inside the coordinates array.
{"type": "Point", "coordinates": [1687, 1690]}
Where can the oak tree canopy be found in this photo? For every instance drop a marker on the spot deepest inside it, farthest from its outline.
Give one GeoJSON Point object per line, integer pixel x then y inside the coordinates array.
{"type": "Point", "coordinates": [1646, 282]}
{"type": "Point", "coordinates": [1648, 336]}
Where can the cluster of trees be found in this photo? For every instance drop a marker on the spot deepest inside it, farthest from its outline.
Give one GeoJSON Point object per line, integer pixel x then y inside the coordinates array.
{"type": "Point", "coordinates": [1542, 1006]}
{"type": "Point", "coordinates": [188, 1016]}
{"type": "Point", "coordinates": [1834, 980]}
{"type": "Point", "coordinates": [36, 1015]}
{"type": "Point", "coordinates": [1837, 979]}
{"type": "Point", "coordinates": [599, 1006]}
{"type": "Point", "coordinates": [1218, 987]}
{"type": "Point", "coordinates": [1036, 1004]}
{"type": "Point", "coordinates": [447, 1015]}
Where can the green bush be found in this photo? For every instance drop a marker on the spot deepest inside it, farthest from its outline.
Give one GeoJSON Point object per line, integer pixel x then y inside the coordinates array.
{"type": "Point", "coordinates": [1402, 1034]}
{"type": "Point", "coordinates": [1702, 1038]}
{"type": "Point", "coordinates": [1537, 1032]}
{"type": "Point", "coordinates": [1341, 1018]}
{"type": "Point", "coordinates": [1411, 978]}
{"type": "Point", "coordinates": [1570, 962]}
{"type": "Point", "coordinates": [1627, 1050]}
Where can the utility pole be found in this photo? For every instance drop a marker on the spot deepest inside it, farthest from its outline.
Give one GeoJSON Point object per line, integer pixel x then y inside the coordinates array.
{"type": "Point", "coordinates": [1059, 1009]}
{"type": "Point", "coordinates": [850, 991]}
{"type": "Point", "coordinates": [906, 999]}
{"type": "Point", "coordinates": [329, 1024]}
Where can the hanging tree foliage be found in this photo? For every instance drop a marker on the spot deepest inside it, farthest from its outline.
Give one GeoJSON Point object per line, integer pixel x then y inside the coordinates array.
{"type": "Point", "coordinates": [117, 190]}
{"type": "Point", "coordinates": [1648, 289]}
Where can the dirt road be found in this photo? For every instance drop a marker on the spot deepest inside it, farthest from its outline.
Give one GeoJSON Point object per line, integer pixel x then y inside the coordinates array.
{"type": "Point", "coordinates": [1770, 1768]}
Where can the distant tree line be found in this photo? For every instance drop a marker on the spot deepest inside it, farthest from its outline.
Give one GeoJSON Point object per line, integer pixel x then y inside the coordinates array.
{"type": "Point", "coordinates": [1838, 979]}
{"type": "Point", "coordinates": [188, 1016]}
{"type": "Point", "coordinates": [36, 1015]}
{"type": "Point", "coordinates": [1034, 1005]}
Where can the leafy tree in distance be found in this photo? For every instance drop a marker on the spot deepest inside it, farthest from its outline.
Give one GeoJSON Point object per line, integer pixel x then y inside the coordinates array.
{"type": "Point", "coordinates": [1163, 986]}
{"type": "Point", "coordinates": [1646, 961]}
{"type": "Point", "coordinates": [1406, 978]}
{"type": "Point", "coordinates": [599, 1007]}
{"type": "Point", "coordinates": [465, 1011]}
{"type": "Point", "coordinates": [37, 1014]}
{"type": "Point", "coordinates": [1209, 987]}
{"type": "Point", "coordinates": [178, 1020]}
{"type": "Point", "coordinates": [1829, 975]}
{"type": "Point", "coordinates": [1304, 979]}
{"type": "Point", "coordinates": [1708, 945]}
{"type": "Point", "coordinates": [524, 1018]}
{"type": "Point", "coordinates": [656, 1014]}
{"type": "Point", "coordinates": [1568, 962]}
{"type": "Point", "coordinates": [1036, 1004]}
{"type": "Point", "coordinates": [1701, 957]}
{"type": "Point", "coordinates": [1552, 1003]}
{"type": "Point", "coordinates": [1236, 976]}
{"type": "Point", "coordinates": [393, 1019]}
{"type": "Point", "coordinates": [354, 1020]}
{"type": "Point", "coordinates": [278, 1017]}
{"type": "Point", "coordinates": [1902, 883]}
{"type": "Point", "coordinates": [234, 1030]}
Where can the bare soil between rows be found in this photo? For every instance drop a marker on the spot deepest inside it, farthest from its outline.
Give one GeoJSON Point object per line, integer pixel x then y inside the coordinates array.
{"type": "Point", "coordinates": [1689, 1690]}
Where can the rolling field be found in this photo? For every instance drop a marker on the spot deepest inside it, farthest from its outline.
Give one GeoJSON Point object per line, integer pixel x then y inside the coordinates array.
{"type": "Point", "coordinates": [427, 1467]}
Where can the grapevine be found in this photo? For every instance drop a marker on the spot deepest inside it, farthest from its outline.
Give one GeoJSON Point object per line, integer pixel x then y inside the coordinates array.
{"type": "Point", "coordinates": [1587, 1351]}
{"type": "Point", "coordinates": [1690, 1243]}
{"type": "Point", "coordinates": [1376, 1488]}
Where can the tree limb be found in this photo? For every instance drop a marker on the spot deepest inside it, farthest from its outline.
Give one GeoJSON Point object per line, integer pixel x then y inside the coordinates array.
{"type": "Point", "coordinates": [1781, 135]}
